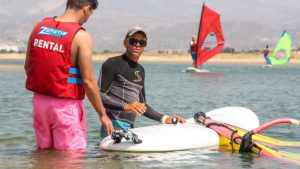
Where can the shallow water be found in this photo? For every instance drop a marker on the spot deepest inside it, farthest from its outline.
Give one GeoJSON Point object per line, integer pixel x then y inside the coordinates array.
{"type": "Point", "coordinates": [270, 92]}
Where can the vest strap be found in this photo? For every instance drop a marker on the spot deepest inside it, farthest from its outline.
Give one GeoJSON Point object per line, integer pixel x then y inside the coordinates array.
{"type": "Point", "coordinates": [74, 71]}
{"type": "Point", "coordinates": [74, 80]}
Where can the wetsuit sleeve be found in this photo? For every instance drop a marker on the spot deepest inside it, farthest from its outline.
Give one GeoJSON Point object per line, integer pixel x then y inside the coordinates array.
{"type": "Point", "coordinates": [109, 103]}
{"type": "Point", "coordinates": [152, 114]}
{"type": "Point", "coordinates": [105, 80]}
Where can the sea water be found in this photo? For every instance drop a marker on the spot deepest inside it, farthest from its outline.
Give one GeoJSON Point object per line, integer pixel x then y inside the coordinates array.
{"type": "Point", "coordinates": [270, 92]}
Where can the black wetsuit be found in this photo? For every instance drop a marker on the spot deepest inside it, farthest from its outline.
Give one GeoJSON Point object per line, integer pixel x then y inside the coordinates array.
{"type": "Point", "coordinates": [121, 81]}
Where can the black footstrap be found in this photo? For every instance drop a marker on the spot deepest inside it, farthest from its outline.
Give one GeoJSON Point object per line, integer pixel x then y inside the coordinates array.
{"type": "Point", "coordinates": [247, 143]}
{"type": "Point", "coordinates": [117, 136]}
{"type": "Point", "coordinates": [200, 117]}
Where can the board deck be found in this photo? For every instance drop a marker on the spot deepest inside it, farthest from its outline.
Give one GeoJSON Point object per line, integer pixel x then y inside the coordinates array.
{"type": "Point", "coordinates": [266, 66]}
{"type": "Point", "coordinates": [195, 70]}
{"type": "Point", "coordinates": [170, 137]}
{"type": "Point", "coordinates": [165, 137]}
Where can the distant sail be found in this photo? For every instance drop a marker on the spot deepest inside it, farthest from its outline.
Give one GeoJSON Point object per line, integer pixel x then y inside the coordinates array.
{"type": "Point", "coordinates": [210, 36]}
{"type": "Point", "coordinates": [282, 51]}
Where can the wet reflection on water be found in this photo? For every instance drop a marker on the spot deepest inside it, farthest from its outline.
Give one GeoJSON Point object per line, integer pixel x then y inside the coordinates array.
{"type": "Point", "coordinates": [58, 159]}
{"type": "Point", "coordinates": [270, 93]}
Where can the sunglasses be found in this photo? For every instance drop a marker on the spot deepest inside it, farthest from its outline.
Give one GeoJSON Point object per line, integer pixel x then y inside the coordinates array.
{"type": "Point", "coordinates": [135, 42]}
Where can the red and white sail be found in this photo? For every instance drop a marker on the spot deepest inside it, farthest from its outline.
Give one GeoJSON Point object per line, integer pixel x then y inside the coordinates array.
{"type": "Point", "coordinates": [210, 36]}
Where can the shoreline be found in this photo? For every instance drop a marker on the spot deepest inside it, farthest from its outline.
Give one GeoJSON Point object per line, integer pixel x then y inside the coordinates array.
{"type": "Point", "coordinates": [243, 58]}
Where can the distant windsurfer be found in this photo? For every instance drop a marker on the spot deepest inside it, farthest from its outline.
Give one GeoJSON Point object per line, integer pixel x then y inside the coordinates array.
{"type": "Point", "coordinates": [193, 49]}
{"type": "Point", "coordinates": [266, 55]}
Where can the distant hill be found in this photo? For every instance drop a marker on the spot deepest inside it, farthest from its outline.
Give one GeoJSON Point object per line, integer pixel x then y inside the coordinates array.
{"type": "Point", "coordinates": [248, 25]}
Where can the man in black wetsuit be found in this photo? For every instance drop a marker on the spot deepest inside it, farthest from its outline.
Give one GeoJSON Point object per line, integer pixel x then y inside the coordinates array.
{"type": "Point", "coordinates": [121, 84]}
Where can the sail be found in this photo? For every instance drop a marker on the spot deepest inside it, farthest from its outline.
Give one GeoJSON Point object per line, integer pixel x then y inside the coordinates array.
{"type": "Point", "coordinates": [210, 36]}
{"type": "Point", "coordinates": [282, 51]}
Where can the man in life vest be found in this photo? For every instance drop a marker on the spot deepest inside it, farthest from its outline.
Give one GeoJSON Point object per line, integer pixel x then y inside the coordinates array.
{"type": "Point", "coordinates": [193, 49]}
{"type": "Point", "coordinates": [266, 55]}
{"type": "Point", "coordinates": [59, 72]}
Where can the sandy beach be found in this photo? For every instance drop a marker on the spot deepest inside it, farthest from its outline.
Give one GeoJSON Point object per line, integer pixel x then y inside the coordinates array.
{"type": "Point", "coordinates": [246, 58]}
{"type": "Point", "coordinates": [241, 58]}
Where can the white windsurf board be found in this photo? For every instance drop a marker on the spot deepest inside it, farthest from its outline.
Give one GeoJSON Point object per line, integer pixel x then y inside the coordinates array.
{"type": "Point", "coordinates": [170, 137]}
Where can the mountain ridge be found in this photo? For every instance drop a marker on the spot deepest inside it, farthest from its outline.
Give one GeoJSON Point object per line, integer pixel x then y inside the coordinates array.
{"type": "Point", "coordinates": [246, 25]}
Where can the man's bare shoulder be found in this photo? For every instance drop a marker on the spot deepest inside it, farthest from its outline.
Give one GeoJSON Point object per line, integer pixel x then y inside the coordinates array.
{"type": "Point", "coordinates": [82, 48]}
{"type": "Point", "coordinates": [82, 35]}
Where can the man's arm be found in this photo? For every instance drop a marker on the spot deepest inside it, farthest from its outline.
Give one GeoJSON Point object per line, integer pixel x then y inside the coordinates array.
{"type": "Point", "coordinates": [83, 42]}
{"type": "Point", "coordinates": [152, 114]}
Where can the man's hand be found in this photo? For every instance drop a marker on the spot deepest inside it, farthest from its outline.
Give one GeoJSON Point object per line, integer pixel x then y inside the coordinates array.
{"type": "Point", "coordinates": [169, 119]}
{"type": "Point", "coordinates": [108, 127]}
{"type": "Point", "coordinates": [135, 107]}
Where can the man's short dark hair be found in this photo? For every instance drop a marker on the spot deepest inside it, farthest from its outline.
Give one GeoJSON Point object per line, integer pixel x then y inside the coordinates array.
{"type": "Point", "coordinates": [79, 4]}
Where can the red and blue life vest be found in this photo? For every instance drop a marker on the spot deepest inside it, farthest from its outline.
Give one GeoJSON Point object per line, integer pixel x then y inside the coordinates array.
{"type": "Point", "coordinates": [193, 47]}
{"type": "Point", "coordinates": [50, 70]}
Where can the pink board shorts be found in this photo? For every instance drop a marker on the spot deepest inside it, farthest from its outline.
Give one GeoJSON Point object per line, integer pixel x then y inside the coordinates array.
{"type": "Point", "coordinates": [59, 123]}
